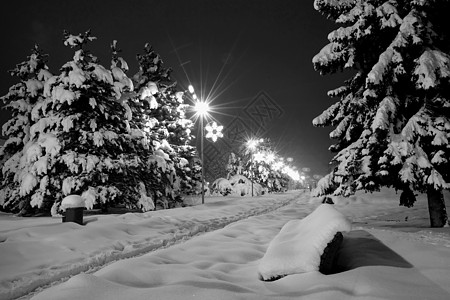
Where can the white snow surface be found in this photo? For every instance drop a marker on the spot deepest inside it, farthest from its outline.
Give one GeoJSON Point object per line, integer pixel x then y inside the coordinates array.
{"type": "Point", "coordinates": [300, 243]}
{"type": "Point", "coordinates": [72, 201]}
{"type": "Point", "coordinates": [390, 253]}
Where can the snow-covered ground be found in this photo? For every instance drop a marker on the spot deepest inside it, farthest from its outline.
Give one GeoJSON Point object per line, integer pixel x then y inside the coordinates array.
{"type": "Point", "coordinates": [213, 251]}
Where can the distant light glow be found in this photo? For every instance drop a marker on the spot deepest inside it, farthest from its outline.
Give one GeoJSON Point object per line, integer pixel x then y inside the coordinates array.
{"type": "Point", "coordinates": [295, 175]}
{"type": "Point", "coordinates": [252, 143]}
{"type": "Point", "coordinates": [191, 89]}
{"type": "Point", "coordinates": [278, 165]}
{"type": "Point", "coordinates": [270, 157]}
{"type": "Point", "coordinates": [259, 156]}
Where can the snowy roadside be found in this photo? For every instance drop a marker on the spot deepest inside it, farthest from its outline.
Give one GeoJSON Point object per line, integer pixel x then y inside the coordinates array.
{"type": "Point", "coordinates": [375, 263]}
{"type": "Point", "coordinates": [39, 251]}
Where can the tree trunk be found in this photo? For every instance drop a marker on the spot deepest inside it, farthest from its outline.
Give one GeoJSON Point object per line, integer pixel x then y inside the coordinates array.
{"type": "Point", "coordinates": [436, 208]}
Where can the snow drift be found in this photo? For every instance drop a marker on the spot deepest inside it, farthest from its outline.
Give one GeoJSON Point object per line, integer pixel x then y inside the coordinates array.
{"type": "Point", "coordinates": [300, 243]}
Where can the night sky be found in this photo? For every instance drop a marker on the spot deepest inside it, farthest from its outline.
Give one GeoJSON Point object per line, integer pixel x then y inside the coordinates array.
{"type": "Point", "coordinates": [252, 57]}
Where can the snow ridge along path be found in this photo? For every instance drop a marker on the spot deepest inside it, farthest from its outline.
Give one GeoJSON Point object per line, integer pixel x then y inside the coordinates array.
{"type": "Point", "coordinates": [103, 239]}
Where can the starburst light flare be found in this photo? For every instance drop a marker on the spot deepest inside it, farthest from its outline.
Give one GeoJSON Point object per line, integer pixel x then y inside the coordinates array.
{"type": "Point", "coordinates": [201, 108]}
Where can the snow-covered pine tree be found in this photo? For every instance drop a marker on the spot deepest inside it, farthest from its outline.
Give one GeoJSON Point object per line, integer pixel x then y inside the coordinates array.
{"type": "Point", "coordinates": [138, 145]}
{"type": "Point", "coordinates": [171, 115]}
{"type": "Point", "coordinates": [166, 126]}
{"type": "Point", "coordinates": [20, 100]}
{"type": "Point", "coordinates": [234, 165]}
{"type": "Point", "coordinates": [80, 138]}
{"type": "Point", "coordinates": [392, 119]}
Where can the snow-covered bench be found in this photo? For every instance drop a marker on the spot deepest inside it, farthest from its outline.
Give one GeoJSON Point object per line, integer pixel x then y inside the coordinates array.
{"type": "Point", "coordinates": [305, 245]}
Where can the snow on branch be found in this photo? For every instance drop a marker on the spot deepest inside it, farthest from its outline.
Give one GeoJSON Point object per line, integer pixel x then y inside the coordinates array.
{"type": "Point", "coordinates": [61, 94]}
{"type": "Point", "coordinates": [333, 8]}
{"type": "Point", "coordinates": [385, 111]}
{"type": "Point", "coordinates": [341, 128]}
{"type": "Point", "coordinates": [34, 86]}
{"type": "Point", "coordinates": [378, 71]}
{"type": "Point", "coordinates": [422, 158]}
{"type": "Point", "coordinates": [350, 17]}
{"type": "Point", "coordinates": [414, 126]}
{"type": "Point", "coordinates": [439, 158]}
{"type": "Point", "coordinates": [407, 172]}
{"type": "Point", "coordinates": [440, 136]}
{"type": "Point", "coordinates": [328, 55]}
{"type": "Point", "coordinates": [44, 124]}
{"type": "Point", "coordinates": [50, 143]}
{"type": "Point", "coordinates": [388, 15]}
{"type": "Point", "coordinates": [102, 74]}
{"type": "Point", "coordinates": [432, 66]}
{"type": "Point", "coordinates": [77, 40]}
{"type": "Point", "coordinates": [27, 184]}
{"type": "Point", "coordinates": [437, 181]}
{"type": "Point", "coordinates": [408, 27]}
{"type": "Point", "coordinates": [76, 75]}
{"type": "Point", "coordinates": [324, 118]}
{"type": "Point", "coordinates": [356, 31]}
{"type": "Point", "coordinates": [337, 92]}
{"type": "Point", "coordinates": [324, 186]}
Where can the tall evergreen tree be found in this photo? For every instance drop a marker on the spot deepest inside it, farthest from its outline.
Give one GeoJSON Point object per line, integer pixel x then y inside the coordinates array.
{"type": "Point", "coordinates": [80, 142]}
{"type": "Point", "coordinates": [20, 100]}
{"type": "Point", "coordinates": [94, 153]}
{"type": "Point", "coordinates": [392, 119]}
{"type": "Point", "coordinates": [163, 115]}
{"type": "Point", "coordinates": [139, 146]}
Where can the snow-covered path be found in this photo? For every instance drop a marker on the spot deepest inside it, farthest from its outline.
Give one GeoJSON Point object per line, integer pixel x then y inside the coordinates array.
{"type": "Point", "coordinates": [389, 254]}
{"type": "Point", "coordinates": [38, 251]}
{"type": "Point", "coordinates": [223, 265]}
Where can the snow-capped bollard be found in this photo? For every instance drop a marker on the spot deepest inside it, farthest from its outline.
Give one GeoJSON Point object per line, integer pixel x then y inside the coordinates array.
{"type": "Point", "coordinates": [73, 206]}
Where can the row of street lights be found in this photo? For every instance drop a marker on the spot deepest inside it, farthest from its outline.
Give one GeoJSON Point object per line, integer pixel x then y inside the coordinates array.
{"type": "Point", "coordinates": [214, 132]}
{"type": "Point", "coordinates": [271, 159]}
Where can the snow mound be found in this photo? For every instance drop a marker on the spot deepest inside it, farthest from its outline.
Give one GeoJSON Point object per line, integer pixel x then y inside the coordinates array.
{"type": "Point", "coordinates": [300, 243]}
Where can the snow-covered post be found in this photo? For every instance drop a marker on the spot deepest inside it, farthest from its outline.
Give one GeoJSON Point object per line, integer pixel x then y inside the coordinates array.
{"type": "Point", "coordinates": [73, 206]}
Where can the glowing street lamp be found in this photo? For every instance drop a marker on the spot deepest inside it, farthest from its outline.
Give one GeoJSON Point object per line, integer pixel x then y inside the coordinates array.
{"type": "Point", "coordinates": [201, 108]}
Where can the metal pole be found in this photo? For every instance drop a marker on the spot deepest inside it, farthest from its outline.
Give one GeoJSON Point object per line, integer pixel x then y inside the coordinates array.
{"type": "Point", "coordinates": [251, 166]}
{"type": "Point", "coordinates": [203, 164]}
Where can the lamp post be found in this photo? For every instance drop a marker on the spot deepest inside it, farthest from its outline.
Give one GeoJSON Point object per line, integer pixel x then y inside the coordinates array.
{"type": "Point", "coordinates": [201, 109]}
{"type": "Point", "coordinates": [203, 160]}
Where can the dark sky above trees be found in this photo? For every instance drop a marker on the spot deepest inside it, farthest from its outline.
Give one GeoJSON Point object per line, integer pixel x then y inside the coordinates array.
{"type": "Point", "coordinates": [239, 51]}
